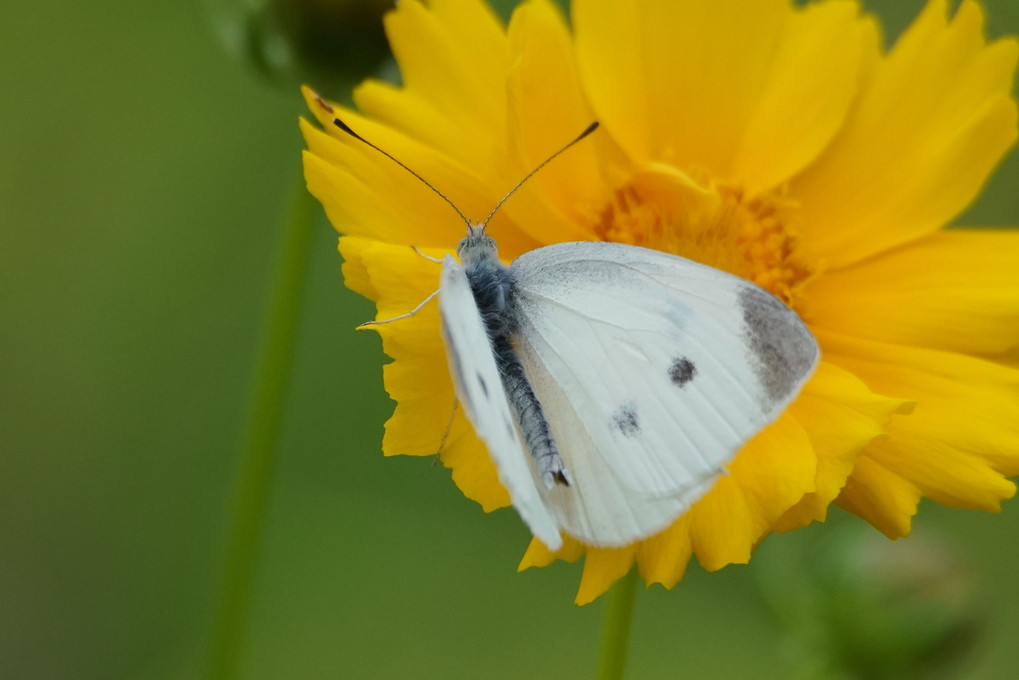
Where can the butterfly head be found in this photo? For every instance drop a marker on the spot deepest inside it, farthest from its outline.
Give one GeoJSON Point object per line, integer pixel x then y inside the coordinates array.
{"type": "Point", "coordinates": [476, 246]}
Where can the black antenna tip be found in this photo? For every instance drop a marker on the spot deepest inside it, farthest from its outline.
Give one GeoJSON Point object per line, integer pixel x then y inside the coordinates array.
{"type": "Point", "coordinates": [590, 128]}
{"type": "Point", "coordinates": [346, 128]}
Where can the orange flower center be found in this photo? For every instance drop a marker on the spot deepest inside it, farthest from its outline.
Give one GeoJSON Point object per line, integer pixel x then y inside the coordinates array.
{"type": "Point", "coordinates": [662, 208]}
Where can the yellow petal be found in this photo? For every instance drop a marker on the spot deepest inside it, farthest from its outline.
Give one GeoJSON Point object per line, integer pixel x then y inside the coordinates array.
{"type": "Point", "coordinates": [956, 290]}
{"type": "Point", "coordinates": [883, 498]}
{"type": "Point", "coordinates": [359, 188]}
{"type": "Point", "coordinates": [452, 54]}
{"type": "Point", "coordinates": [941, 472]}
{"type": "Point", "coordinates": [538, 554]}
{"type": "Point", "coordinates": [401, 279]}
{"type": "Point", "coordinates": [355, 275]}
{"type": "Point", "coordinates": [769, 475]}
{"type": "Point", "coordinates": [841, 416]}
{"type": "Point", "coordinates": [929, 126]}
{"type": "Point", "coordinates": [674, 80]}
{"type": "Point", "coordinates": [602, 568]}
{"type": "Point", "coordinates": [744, 91]}
{"type": "Point", "coordinates": [544, 71]}
{"type": "Point", "coordinates": [663, 558]}
{"type": "Point", "coordinates": [960, 443]}
{"type": "Point", "coordinates": [812, 80]}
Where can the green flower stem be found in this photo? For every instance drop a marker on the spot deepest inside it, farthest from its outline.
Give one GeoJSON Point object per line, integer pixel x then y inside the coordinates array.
{"type": "Point", "coordinates": [616, 632]}
{"type": "Point", "coordinates": [254, 474]}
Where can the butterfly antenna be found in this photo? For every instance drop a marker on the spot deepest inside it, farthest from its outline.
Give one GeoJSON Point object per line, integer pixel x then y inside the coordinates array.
{"type": "Point", "coordinates": [346, 128]}
{"type": "Point", "coordinates": [590, 128]}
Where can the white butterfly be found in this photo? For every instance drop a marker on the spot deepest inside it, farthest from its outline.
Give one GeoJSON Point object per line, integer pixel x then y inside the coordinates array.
{"type": "Point", "coordinates": [612, 384]}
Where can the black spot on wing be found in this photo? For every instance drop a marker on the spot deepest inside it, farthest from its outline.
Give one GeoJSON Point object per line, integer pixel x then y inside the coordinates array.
{"type": "Point", "coordinates": [681, 371]}
{"type": "Point", "coordinates": [625, 420]}
{"type": "Point", "coordinates": [481, 381]}
{"type": "Point", "coordinates": [783, 349]}
{"type": "Point", "coordinates": [455, 367]}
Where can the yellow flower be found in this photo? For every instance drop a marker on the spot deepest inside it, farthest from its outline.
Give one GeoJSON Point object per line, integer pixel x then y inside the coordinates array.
{"type": "Point", "coordinates": [779, 143]}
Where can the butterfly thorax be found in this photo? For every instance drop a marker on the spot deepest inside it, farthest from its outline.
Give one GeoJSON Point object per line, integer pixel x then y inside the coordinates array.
{"type": "Point", "coordinates": [491, 282]}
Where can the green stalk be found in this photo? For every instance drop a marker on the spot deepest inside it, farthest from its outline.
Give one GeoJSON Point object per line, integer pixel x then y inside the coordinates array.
{"type": "Point", "coordinates": [256, 465]}
{"type": "Point", "coordinates": [616, 632]}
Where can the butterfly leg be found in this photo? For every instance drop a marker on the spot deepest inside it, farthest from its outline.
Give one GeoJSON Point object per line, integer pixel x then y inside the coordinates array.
{"type": "Point", "coordinates": [402, 316]}
{"type": "Point", "coordinates": [427, 257]}
{"type": "Point", "coordinates": [445, 435]}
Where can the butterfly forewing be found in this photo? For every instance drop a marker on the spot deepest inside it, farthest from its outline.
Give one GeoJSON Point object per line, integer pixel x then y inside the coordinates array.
{"type": "Point", "coordinates": [653, 371]}
{"type": "Point", "coordinates": [479, 389]}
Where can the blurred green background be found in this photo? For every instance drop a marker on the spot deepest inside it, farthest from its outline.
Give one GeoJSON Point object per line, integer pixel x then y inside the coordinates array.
{"type": "Point", "coordinates": [145, 176]}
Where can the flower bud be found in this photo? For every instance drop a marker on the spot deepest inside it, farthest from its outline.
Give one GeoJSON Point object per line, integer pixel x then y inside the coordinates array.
{"type": "Point", "coordinates": [330, 43]}
{"type": "Point", "coordinates": [856, 605]}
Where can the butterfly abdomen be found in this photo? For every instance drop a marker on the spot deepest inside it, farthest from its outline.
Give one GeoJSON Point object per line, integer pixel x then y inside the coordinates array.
{"type": "Point", "coordinates": [530, 415]}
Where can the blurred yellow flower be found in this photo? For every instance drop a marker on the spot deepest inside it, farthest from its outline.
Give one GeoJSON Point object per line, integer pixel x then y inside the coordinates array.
{"type": "Point", "coordinates": [779, 143]}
